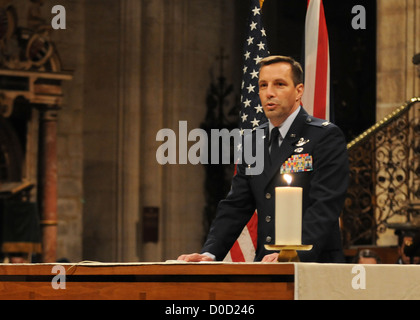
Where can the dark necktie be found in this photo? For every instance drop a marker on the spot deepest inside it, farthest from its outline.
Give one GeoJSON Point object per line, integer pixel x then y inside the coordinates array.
{"type": "Point", "coordinates": [275, 148]}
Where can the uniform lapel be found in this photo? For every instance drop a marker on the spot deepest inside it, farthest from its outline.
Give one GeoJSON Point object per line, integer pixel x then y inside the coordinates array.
{"type": "Point", "coordinates": [287, 147]}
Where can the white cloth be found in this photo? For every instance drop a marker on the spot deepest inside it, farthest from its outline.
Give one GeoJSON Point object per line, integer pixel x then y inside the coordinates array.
{"type": "Point", "coordinates": [345, 282]}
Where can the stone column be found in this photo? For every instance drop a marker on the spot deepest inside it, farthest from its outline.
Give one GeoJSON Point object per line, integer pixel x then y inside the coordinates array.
{"type": "Point", "coordinates": [128, 162]}
{"type": "Point", "coordinates": [47, 181]}
{"type": "Point", "coordinates": [112, 130]}
{"type": "Point", "coordinates": [153, 114]}
{"type": "Point", "coordinates": [398, 24]}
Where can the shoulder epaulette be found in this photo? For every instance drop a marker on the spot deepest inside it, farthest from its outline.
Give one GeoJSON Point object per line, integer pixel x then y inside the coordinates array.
{"type": "Point", "coordinates": [317, 122]}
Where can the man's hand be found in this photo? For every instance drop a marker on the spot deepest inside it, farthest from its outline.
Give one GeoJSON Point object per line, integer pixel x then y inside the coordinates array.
{"type": "Point", "coordinates": [270, 257]}
{"type": "Point", "coordinates": [194, 257]}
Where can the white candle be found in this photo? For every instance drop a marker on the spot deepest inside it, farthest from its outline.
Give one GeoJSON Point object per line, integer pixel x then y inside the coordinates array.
{"type": "Point", "coordinates": [288, 216]}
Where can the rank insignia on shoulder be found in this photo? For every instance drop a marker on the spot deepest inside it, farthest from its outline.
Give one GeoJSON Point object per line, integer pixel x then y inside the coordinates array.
{"type": "Point", "coordinates": [326, 123]}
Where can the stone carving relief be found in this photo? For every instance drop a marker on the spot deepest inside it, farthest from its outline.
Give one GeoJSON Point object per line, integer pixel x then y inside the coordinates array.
{"type": "Point", "coordinates": [29, 48]}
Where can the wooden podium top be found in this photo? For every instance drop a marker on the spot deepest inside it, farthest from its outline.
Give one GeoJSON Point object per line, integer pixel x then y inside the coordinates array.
{"type": "Point", "coordinates": [150, 268]}
{"type": "Point", "coordinates": [148, 281]}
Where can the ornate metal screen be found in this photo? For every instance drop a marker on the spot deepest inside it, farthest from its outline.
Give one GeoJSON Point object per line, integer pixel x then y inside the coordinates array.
{"type": "Point", "coordinates": [385, 177]}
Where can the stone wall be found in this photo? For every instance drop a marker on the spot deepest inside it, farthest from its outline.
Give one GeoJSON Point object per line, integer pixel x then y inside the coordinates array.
{"type": "Point", "coordinates": [139, 66]}
{"type": "Point", "coordinates": [398, 30]}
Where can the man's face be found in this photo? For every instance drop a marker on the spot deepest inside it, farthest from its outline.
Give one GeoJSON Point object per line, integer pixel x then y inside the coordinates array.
{"type": "Point", "coordinates": [278, 94]}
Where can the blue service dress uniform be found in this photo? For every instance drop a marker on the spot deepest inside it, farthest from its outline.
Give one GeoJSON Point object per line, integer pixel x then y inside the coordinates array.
{"type": "Point", "coordinates": [316, 149]}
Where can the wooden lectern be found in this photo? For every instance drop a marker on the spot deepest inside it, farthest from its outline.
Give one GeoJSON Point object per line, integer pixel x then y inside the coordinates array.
{"type": "Point", "coordinates": [148, 281]}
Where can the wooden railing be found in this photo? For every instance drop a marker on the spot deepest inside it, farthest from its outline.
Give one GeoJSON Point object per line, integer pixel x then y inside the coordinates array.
{"type": "Point", "coordinates": [384, 186]}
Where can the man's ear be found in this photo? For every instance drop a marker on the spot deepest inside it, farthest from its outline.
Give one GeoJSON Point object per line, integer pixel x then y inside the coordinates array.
{"type": "Point", "coordinates": [299, 91]}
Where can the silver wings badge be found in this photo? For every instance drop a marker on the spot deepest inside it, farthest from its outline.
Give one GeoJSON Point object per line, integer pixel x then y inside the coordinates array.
{"type": "Point", "coordinates": [301, 142]}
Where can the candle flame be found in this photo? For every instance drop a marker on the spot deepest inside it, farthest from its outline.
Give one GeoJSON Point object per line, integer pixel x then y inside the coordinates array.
{"type": "Point", "coordinates": [288, 178]}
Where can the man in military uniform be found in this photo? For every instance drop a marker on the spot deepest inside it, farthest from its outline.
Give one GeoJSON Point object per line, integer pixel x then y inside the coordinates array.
{"type": "Point", "coordinates": [319, 148]}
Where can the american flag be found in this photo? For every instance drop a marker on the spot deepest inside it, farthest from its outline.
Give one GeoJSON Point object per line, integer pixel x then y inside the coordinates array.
{"type": "Point", "coordinates": [251, 116]}
{"type": "Point", "coordinates": [316, 97]}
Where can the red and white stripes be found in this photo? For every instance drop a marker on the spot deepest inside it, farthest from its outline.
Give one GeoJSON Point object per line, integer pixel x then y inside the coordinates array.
{"type": "Point", "coordinates": [244, 248]}
{"type": "Point", "coordinates": [316, 97]}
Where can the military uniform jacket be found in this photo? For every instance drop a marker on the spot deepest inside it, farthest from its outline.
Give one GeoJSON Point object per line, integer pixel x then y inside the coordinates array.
{"type": "Point", "coordinates": [314, 152]}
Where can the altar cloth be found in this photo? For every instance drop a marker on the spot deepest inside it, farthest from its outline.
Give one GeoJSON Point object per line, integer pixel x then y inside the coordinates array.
{"type": "Point", "coordinates": [315, 281]}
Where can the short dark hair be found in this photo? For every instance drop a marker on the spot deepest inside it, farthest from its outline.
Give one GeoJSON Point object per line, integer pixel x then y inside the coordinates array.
{"type": "Point", "coordinates": [366, 253]}
{"type": "Point", "coordinates": [297, 71]}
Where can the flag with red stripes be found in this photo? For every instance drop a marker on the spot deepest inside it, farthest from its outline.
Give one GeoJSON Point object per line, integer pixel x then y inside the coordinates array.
{"type": "Point", "coordinates": [251, 116]}
{"type": "Point", "coordinates": [316, 97]}
{"type": "Point", "coordinates": [243, 250]}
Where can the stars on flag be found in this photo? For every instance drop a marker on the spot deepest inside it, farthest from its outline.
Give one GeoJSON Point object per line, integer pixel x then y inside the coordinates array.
{"type": "Point", "coordinates": [258, 109]}
{"type": "Point", "coordinates": [244, 118]}
{"type": "Point", "coordinates": [255, 49]}
{"type": "Point", "coordinates": [251, 88]}
{"type": "Point", "coordinates": [246, 103]}
{"type": "Point", "coordinates": [252, 114]}
{"type": "Point", "coordinates": [255, 122]}
{"type": "Point", "coordinates": [256, 11]}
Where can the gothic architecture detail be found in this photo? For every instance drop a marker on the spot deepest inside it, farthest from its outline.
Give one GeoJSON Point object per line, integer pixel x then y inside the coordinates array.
{"type": "Point", "coordinates": [30, 71]}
